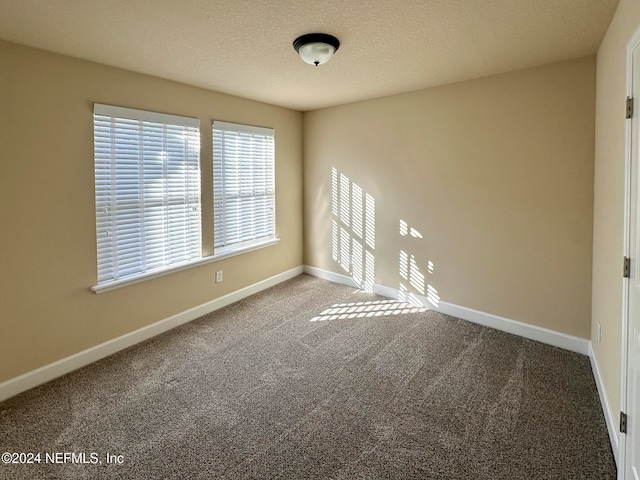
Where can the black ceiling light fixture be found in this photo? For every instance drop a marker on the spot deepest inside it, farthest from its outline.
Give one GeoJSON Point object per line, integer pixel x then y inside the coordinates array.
{"type": "Point", "coordinates": [316, 48]}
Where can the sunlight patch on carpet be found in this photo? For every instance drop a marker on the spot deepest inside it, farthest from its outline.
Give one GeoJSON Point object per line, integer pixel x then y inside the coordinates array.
{"type": "Point", "coordinates": [379, 308]}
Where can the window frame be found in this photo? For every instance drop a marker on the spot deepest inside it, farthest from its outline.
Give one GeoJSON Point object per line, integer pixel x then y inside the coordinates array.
{"type": "Point", "coordinates": [189, 186]}
{"type": "Point", "coordinates": [235, 248]}
{"type": "Point", "coordinates": [218, 254]}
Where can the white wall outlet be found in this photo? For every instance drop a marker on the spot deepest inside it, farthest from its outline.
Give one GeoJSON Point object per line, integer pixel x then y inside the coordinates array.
{"type": "Point", "coordinates": [219, 276]}
{"type": "Point", "coordinates": [599, 332]}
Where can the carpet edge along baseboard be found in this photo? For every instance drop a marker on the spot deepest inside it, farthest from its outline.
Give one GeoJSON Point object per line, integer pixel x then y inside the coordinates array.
{"type": "Point", "coordinates": [33, 378]}
{"type": "Point", "coordinates": [26, 381]}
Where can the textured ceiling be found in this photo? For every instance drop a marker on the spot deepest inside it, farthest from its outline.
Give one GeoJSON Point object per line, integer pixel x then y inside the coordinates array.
{"type": "Point", "coordinates": [243, 47]}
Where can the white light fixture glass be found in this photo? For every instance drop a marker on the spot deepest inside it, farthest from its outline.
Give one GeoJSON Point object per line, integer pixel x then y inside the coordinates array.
{"type": "Point", "coordinates": [316, 48]}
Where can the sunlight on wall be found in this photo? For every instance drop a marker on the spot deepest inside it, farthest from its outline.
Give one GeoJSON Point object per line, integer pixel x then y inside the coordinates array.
{"type": "Point", "coordinates": [406, 230]}
{"type": "Point", "coordinates": [353, 231]}
{"type": "Point", "coordinates": [432, 295]}
{"type": "Point", "coordinates": [410, 271]}
{"type": "Point", "coordinates": [376, 308]}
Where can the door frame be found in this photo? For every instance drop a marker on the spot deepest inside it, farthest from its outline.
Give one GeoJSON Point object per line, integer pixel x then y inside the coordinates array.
{"type": "Point", "coordinates": [628, 162]}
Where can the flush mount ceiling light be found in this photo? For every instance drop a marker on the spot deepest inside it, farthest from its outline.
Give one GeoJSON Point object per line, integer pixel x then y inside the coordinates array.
{"type": "Point", "coordinates": [316, 48]}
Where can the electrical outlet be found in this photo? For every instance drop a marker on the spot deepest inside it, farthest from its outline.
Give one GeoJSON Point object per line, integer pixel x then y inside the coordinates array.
{"type": "Point", "coordinates": [219, 276]}
{"type": "Point", "coordinates": [599, 329]}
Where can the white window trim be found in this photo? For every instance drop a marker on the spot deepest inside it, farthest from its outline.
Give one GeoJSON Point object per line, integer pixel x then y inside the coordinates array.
{"type": "Point", "coordinates": [232, 252]}
{"type": "Point", "coordinates": [239, 127]}
{"type": "Point", "coordinates": [111, 110]}
{"type": "Point", "coordinates": [236, 248]}
{"type": "Point", "coordinates": [124, 112]}
{"type": "Point", "coordinates": [155, 117]}
{"type": "Point", "coordinates": [106, 287]}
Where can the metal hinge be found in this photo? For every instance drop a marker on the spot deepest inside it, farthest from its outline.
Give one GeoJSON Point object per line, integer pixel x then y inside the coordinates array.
{"type": "Point", "coordinates": [623, 422]}
{"type": "Point", "coordinates": [629, 107]}
{"type": "Point", "coordinates": [626, 267]}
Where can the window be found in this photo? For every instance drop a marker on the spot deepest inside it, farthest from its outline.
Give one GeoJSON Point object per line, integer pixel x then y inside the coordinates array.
{"type": "Point", "coordinates": [243, 187]}
{"type": "Point", "coordinates": [147, 179]}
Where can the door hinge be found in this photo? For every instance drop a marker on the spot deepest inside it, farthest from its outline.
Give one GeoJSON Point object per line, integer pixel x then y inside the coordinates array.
{"type": "Point", "coordinates": [626, 267]}
{"type": "Point", "coordinates": [623, 422]}
{"type": "Point", "coordinates": [629, 108]}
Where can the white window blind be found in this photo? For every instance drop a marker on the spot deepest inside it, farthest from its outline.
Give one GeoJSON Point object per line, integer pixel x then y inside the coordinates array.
{"type": "Point", "coordinates": [243, 186]}
{"type": "Point", "coordinates": [147, 176]}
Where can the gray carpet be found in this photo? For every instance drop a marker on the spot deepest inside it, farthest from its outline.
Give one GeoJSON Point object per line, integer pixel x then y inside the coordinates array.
{"type": "Point", "coordinates": [314, 380]}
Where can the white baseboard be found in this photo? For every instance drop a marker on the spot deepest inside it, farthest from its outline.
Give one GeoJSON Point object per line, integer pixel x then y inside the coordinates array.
{"type": "Point", "coordinates": [609, 417]}
{"type": "Point", "coordinates": [532, 332]}
{"type": "Point", "coordinates": [42, 375]}
{"type": "Point", "coordinates": [332, 277]}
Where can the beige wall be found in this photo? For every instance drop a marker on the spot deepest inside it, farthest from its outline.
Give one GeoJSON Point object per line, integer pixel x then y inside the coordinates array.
{"type": "Point", "coordinates": [496, 177]}
{"type": "Point", "coordinates": [47, 218]}
{"type": "Point", "coordinates": [609, 195]}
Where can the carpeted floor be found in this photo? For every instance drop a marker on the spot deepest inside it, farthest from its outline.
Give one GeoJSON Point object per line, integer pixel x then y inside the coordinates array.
{"type": "Point", "coordinates": [311, 379]}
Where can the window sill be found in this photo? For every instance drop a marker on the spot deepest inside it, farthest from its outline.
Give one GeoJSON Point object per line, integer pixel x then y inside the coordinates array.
{"type": "Point", "coordinates": [106, 287]}
{"type": "Point", "coordinates": [245, 249]}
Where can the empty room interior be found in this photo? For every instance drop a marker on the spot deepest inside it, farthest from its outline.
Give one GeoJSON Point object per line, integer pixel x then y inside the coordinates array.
{"type": "Point", "coordinates": [358, 239]}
